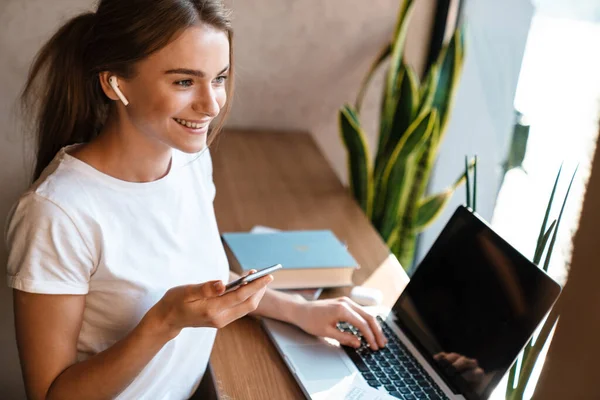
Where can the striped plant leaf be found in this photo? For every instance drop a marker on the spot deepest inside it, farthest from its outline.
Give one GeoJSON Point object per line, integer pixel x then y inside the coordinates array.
{"type": "Point", "coordinates": [413, 117]}
{"type": "Point", "coordinates": [379, 203]}
{"type": "Point", "coordinates": [432, 206]}
{"type": "Point", "coordinates": [395, 71]}
{"type": "Point", "coordinates": [399, 173]}
{"type": "Point", "coordinates": [428, 89]}
{"type": "Point", "coordinates": [358, 158]}
{"type": "Point", "coordinates": [385, 128]}
{"type": "Point", "coordinates": [381, 57]}
{"type": "Point", "coordinates": [401, 120]}
{"type": "Point", "coordinates": [404, 16]}
{"type": "Point", "coordinates": [406, 108]}
{"type": "Point", "coordinates": [450, 62]}
{"type": "Point", "coordinates": [407, 235]}
{"type": "Point", "coordinates": [406, 95]}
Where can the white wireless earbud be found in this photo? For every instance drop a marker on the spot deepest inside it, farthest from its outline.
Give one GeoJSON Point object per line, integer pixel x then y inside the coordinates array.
{"type": "Point", "coordinates": [114, 84]}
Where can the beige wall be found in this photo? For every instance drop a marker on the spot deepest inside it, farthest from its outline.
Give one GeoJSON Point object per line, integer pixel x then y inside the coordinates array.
{"type": "Point", "coordinates": [298, 61]}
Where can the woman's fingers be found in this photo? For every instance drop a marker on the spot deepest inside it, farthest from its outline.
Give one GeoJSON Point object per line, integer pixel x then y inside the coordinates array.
{"type": "Point", "coordinates": [240, 295]}
{"type": "Point", "coordinates": [345, 338]}
{"type": "Point", "coordinates": [203, 291]}
{"type": "Point", "coordinates": [374, 326]}
{"type": "Point", "coordinates": [239, 310]}
{"type": "Point", "coordinates": [348, 314]}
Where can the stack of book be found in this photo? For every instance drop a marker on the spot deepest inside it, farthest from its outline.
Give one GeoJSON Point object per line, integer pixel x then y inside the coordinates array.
{"type": "Point", "coordinates": [311, 259]}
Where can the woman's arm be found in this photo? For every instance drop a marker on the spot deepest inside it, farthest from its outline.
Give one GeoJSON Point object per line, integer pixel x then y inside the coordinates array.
{"type": "Point", "coordinates": [320, 318]}
{"type": "Point", "coordinates": [277, 305]}
{"type": "Point", "coordinates": [47, 328]}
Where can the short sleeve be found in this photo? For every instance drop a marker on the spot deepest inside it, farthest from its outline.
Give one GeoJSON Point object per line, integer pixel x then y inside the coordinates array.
{"type": "Point", "coordinates": [46, 252]}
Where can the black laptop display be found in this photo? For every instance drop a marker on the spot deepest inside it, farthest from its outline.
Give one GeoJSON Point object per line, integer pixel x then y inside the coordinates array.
{"type": "Point", "coordinates": [474, 295]}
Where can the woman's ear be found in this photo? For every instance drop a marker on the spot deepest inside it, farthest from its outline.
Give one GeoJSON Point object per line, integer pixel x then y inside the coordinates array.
{"type": "Point", "coordinates": [111, 88]}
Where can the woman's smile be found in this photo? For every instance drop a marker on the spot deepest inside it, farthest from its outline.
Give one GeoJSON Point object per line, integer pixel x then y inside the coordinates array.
{"type": "Point", "coordinates": [196, 127]}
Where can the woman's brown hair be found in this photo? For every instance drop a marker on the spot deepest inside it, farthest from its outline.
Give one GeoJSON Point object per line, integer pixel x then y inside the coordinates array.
{"type": "Point", "coordinates": [63, 90]}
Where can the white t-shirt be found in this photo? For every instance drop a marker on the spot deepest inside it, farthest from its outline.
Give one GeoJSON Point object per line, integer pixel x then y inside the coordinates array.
{"type": "Point", "coordinates": [122, 245]}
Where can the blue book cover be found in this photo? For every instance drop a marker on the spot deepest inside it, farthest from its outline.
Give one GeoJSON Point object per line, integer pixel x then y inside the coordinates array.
{"type": "Point", "coordinates": [307, 249]}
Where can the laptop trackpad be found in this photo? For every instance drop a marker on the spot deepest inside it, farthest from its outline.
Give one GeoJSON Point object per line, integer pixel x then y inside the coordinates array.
{"type": "Point", "coordinates": [330, 363]}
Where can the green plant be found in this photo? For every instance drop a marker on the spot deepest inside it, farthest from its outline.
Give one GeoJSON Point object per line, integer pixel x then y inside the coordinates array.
{"type": "Point", "coordinates": [413, 119]}
{"type": "Point", "coordinates": [471, 199]}
{"type": "Point", "coordinates": [519, 375]}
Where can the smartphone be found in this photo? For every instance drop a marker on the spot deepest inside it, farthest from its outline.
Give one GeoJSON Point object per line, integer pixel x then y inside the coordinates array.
{"type": "Point", "coordinates": [252, 277]}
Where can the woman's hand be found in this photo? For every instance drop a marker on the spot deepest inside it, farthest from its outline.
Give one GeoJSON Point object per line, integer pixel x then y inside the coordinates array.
{"type": "Point", "coordinates": [320, 318]}
{"type": "Point", "coordinates": [205, 305]}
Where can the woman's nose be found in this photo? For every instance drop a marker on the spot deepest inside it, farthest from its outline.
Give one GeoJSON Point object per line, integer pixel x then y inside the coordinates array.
{"type": "Point", "coordinates": [206, 103]}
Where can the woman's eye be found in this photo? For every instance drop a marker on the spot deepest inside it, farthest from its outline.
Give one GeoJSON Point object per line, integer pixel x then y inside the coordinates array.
{"type": "Point", "coordinates": [221, 79]}
{"type": "Point", "coordinates": [184, 83]}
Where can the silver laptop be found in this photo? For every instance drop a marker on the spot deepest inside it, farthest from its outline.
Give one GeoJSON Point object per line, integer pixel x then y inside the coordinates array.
{"type": "Point", "coordinates": [472, 296]}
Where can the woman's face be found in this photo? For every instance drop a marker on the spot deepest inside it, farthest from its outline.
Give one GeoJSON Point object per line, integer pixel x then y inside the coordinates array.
{"type": "Point", "coordinates": [178, 90]}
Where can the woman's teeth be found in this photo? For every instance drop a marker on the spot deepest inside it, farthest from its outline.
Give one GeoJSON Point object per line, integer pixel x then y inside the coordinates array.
{"type": "Point", "coordinates": [192, 125]}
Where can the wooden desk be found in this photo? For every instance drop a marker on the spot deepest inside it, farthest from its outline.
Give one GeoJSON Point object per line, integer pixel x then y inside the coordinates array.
{"type": "Point", "coordinates": [282, 180]}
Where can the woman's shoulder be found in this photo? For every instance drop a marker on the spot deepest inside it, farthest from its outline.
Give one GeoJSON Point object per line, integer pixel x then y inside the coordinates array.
{"type": "Point", "coordinates": [58, 184]}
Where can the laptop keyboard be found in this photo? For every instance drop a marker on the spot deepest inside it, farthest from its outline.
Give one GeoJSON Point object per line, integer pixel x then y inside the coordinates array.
{"type": "Point", "coordinates": [392, 367]}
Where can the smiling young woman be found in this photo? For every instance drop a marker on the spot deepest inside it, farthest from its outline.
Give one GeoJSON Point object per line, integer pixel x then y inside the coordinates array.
{"type": "Point", "coordinates": [115, 249]}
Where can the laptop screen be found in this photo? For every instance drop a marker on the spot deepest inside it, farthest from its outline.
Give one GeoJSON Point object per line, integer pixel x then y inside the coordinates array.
{"type": "Point", "coordinates": [473, 296]}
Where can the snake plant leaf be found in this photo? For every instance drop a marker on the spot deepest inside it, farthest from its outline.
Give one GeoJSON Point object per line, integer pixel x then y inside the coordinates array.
{"type": "Point", "coordinates": [515, 389]}
{"type": "Point", "coordinates": [404, 16]}
{"type": "Point", "coordinates": [532, 355]}
{"type": "Point", "coordinates": [450, 63]}
{"type": "Point", "coordinates": [475, 185]}
{"type": "Point", "coordinates": [428, 89]}
{"type": "Point", "coordinates": [562, 209]}
{"type": "Point", "coordinates": [542, 245]}
{"type": "Point", "coordinates": [399, 37]}
{"type": "Point", "coordinates": [383, 55]}
{"type": "Point", "coordinates": [400, 120]}
{"type": "Point", "coordinates": [408, 95]}
{"type": "Point", "coordinates": [402, 13]}
{"type": "Point", "coordinates": [468, 183]}
{"type": "Point", "coordinates": [358, 157]}
{"type": "Point", "coordinates": [399, 172]}
{"type": "Point", "coordinates": [548, 207]}
{"type": "Point", "coordinates": [405, 245]}
{"type": "Point", "coordinates": [396, 64]}
{"type": "Point", "coordinates": [385, 125]}
{"type": "Point", "coordinates": [432, 206]}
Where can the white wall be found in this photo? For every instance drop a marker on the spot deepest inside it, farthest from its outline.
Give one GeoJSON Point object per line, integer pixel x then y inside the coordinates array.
{"type": "Point", "coordinates": [483, 115]}
{"type": "Point", "coordinates": [298, 61]}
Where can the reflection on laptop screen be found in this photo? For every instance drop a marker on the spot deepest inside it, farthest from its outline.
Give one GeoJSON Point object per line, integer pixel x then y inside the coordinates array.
{"type": "Point", "coordinates": [476, 296]}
